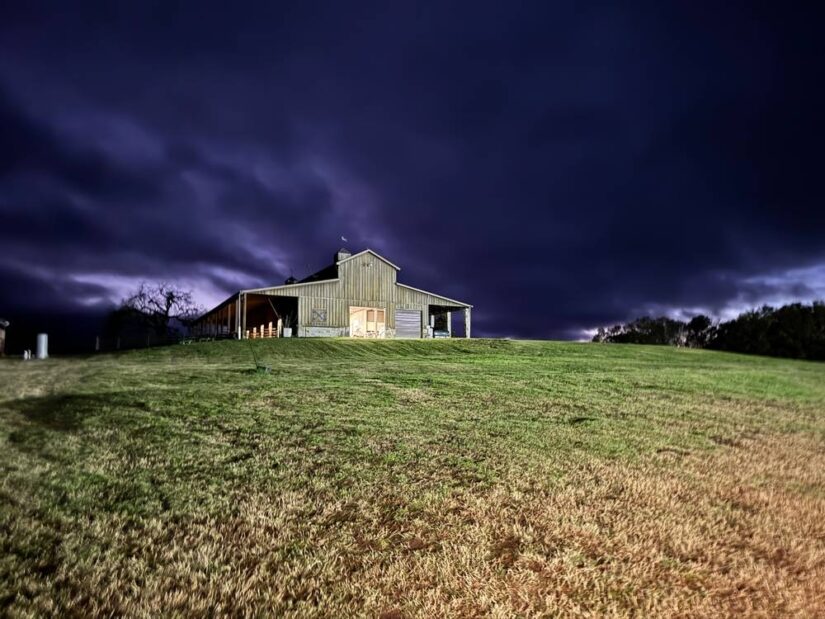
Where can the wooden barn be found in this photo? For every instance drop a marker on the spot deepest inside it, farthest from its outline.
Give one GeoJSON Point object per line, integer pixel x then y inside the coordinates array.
{"type": "Point", "coordinates": [358, 295]}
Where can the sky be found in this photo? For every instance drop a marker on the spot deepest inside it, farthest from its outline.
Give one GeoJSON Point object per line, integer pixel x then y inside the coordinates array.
{"type": "Point", "coordinates": [559, 165]}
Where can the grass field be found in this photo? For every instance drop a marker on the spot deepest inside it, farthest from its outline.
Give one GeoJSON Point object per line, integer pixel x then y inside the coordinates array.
{"type": "Point", "coordinates": [402, 479]}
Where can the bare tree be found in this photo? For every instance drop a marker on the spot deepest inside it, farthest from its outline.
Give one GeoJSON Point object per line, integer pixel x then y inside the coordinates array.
{"type": "Point", "coordinates": [163, 304]}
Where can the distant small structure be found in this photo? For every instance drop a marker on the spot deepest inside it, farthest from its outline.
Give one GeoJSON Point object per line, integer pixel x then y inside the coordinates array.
{"type": "Point", "coordinates": [3, 325]}
{"type": "Point", "coordinates": [42, 346]}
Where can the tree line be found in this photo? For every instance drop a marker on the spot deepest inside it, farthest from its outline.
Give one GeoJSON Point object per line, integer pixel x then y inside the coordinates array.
{"type": "Point", "coordinates": [796, 331]}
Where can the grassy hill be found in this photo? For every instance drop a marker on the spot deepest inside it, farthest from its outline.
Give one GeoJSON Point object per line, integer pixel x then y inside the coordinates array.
{"type": "Point", "coordinates": [419, 478]}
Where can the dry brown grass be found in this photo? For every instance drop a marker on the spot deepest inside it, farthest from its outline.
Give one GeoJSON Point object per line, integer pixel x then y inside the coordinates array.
{"type": "Point", "coordinates": [738, 531]}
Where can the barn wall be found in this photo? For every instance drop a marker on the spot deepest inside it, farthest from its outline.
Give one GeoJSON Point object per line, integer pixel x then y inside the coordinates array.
{"type": "Point", "coordinates": [365, 281]}
{"type": "Point", "coordinates": [338, 311]}
{"type": "Point", "coordinates": [412, 299]}
{"type": "Point", "coordinates": [367, 277]}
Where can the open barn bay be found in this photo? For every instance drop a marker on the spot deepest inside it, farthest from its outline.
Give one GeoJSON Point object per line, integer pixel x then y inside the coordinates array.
{"type": "Point", "coordinates": [417, 478]}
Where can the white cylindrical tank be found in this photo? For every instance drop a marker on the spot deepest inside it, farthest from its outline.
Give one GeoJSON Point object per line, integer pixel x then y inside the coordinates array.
{"type": "Point", "coordinates": [42, 346]}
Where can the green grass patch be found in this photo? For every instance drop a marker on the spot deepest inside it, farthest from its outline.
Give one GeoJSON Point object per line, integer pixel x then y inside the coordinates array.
{"type": "Point", "coordinates": [153, 439]}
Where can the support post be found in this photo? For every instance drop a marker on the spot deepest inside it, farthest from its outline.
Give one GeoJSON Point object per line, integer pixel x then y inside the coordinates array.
{"type": "Point", "coordinates": [243, 323]}
{"type": "Point", "coordinates": [238, 332]}
{"type": "Point", "coordinates": [450, 324]}
{"type": "Point", "coordinates": [467, 322]}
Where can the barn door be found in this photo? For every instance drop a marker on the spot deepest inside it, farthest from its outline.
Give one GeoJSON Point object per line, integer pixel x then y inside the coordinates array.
{"type": "Point", "coordinates": [367, 322]}
{"type": "Point", "coordinates": [407, 323]}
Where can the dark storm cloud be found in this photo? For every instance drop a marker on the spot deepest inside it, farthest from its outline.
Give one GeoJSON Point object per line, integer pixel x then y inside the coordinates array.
{"type": "Point", "coordinates": [29, 147]}
{"type": "Point", "coordinates": [69, 208]}
{"type": "Point", "coordinates": [33, 291]}
{"type": "Point", "coordinates": [585, 163]}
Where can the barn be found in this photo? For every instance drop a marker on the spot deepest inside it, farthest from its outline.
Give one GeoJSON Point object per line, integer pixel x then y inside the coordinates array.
{"type": "Point", "coordinates": [358, 295]}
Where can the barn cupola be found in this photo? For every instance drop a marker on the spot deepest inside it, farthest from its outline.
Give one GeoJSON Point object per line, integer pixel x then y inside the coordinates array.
{"type": "Point", "coordinates": [342, 254]}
